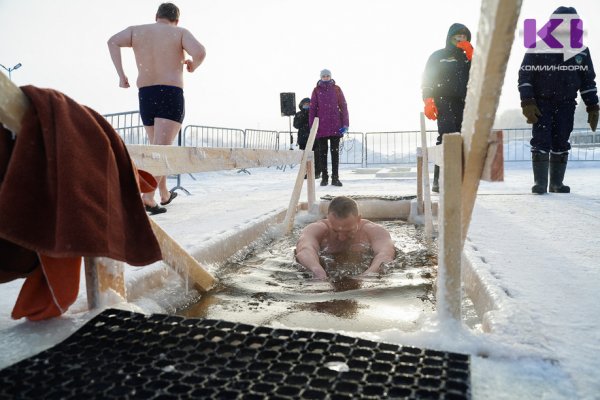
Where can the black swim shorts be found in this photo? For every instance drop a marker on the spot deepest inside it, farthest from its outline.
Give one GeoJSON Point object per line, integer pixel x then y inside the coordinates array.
{"type": "Point", "coordinates": [161, 101]}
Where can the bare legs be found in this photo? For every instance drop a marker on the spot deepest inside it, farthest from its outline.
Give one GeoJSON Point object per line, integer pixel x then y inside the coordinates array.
{"type": "Point", "coordinates": [163, 132]}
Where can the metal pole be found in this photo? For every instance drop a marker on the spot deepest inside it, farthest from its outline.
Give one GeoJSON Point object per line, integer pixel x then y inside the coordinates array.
{"type": "Point", "coordinates": [291, 137]}
{"type": "Point", "coordinates": [179, 175]}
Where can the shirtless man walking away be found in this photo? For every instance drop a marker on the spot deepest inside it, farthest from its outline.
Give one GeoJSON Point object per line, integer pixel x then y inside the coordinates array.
{"type": "Point", "coordinates": [341, 232]}
{"type": "Point", "coordinates": [159, 55]}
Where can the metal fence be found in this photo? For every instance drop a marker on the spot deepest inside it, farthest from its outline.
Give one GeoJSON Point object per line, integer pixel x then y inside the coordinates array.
{"type": "Point", "coordinates": [356, 148]}
{"type": "Point", "coordinates": [129, 126]}
{"type": "Point", "coordinates": [210, 136]}
{"type": "Point", "coordinates": [585, 145]}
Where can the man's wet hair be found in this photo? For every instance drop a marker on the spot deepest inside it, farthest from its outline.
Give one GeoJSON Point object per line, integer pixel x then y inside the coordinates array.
{"type": "Point", "coordinates": [168, 11]}
{"type": "Point", "coordinates": [343, 207]}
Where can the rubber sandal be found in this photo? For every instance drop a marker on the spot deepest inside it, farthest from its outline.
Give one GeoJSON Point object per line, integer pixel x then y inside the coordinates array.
{"type": "Point", "coordinates": [155, 210]}
{"type": "Point", "coordinates": [171, 197]}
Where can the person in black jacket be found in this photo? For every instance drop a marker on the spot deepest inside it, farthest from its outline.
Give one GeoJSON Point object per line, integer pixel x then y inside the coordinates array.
{"type": "Point", "coordinates": [301, 123]}
{"type": "Point", "coordinates": [548, 87]}
{"type": "Point", "coordinates": [444, 87]}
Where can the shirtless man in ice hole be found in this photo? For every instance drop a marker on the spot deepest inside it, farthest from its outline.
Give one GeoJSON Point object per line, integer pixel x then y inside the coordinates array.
{"type": "Point", "coordinates": [343, 232]}
{"type": "Point", "coordinates": [159, 55]}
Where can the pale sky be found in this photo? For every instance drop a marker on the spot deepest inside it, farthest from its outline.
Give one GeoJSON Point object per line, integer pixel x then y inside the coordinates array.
{"type": "Point", "coordinates": [376, 50]}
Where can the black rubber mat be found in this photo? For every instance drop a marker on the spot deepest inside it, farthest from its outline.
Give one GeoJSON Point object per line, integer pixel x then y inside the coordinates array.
{"type": "Point", "coordinates": [125, 355]}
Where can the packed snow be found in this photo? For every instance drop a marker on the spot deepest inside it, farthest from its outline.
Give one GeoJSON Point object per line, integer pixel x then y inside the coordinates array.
{"type": "Point", "coordinates": [536, 256]}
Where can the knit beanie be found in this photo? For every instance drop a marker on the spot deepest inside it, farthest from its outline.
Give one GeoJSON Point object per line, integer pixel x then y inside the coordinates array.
{"type": "Point", "coordinates": [325, 72]}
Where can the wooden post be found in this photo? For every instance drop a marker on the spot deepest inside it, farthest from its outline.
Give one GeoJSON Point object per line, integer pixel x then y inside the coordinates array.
{"type": "Point", "coordinates": [420, 206]}
{"type": "Point", "coordinates": [426, 187]}
{"type": "Point", "coordinates": [310, 181]}
{"type": "Point", "coordinates": [102, 275]}
{"type": "Point", "coordinates": [288, 222]}
{"type": "Point", "coordinates": [495, 36]}
{"type": "Point", "coordinates": [450, 247]}
{"type": "Point", "coordinates": [493, 170]}
{"type": "Point", "coordinates": [181, 261]}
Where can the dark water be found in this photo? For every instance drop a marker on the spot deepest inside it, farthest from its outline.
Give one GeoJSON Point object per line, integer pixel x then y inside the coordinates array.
{"type": "Point", "coordinates": [268, 287]}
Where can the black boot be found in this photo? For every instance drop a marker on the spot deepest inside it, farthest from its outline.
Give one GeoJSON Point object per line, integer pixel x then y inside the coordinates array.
{"type": "Point", "coordinates": [539, 162]}
{"type": "Point", "coordinates": [335, 181]}
{"type": "Point", "coordinates": [435, 187]}
{"type": "Point", "coordinates": [558, 166]}
{"type": "Point", "coordinates": [324, 180]}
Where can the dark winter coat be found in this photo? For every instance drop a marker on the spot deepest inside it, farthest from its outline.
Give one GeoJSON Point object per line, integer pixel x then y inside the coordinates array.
{"type": "Point", "coordinates": [548, 77]}
{"type": "Point", "coordinates": [329, 104]}
{"type": "Point", "coordinates": [559, 80]}
{"type": "Point", "coordinates": [301, 123]}
{"type": "Point", "coordinates": [447, 70]}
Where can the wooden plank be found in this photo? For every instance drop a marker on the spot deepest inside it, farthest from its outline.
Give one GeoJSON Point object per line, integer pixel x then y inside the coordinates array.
{"type": "Point", "coordinates": [288, 222]}
{"type": "Point", "coordinates": [493, 169]}
{"type": "Point", "coordinates": [450, 248]}
{"type": "Point", "coordinates": [310, 181]}
{"type": "Point", "coordinates": [426, 187]}
{"type": "Point", "coordinates": [103, 276]}
{"type": "Point", "coordinates": [13, 104]}
{"type": "Point", "coordinates": [495, 36]}
{"type": "Point", "coordinates": [170, 160]}
{"type": "Point", "coordinates": [420, 206]}
{"type": "Point", "coordinates": [434, 153]}
{"type": "Point", "coordinates": [181, 261]}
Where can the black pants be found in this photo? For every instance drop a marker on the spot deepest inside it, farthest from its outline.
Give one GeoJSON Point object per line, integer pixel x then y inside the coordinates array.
{"type": "Point", "coordinates": [554, 126]}
{"type": "Point", "coordinates": [323, 145]}
{"type": "Point", "coordinates": [450, 115]}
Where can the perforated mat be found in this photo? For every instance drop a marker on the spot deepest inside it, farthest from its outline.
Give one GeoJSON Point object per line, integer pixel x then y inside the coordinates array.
{"type": "Point", "coordinates": [125, 355]}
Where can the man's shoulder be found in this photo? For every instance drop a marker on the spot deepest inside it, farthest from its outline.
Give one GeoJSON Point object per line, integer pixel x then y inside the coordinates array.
{"type": "Point", "coordinates": [321, 224]}
{"type": "Point", "coordinates": [439, 53]}
{"type": "Point", "coordinates": [368, 225]}
{"type": "Point", "coordinates": [157, 27]}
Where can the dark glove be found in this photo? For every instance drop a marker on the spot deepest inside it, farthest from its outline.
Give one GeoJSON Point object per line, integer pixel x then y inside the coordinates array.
{"type": "Point", "coordinates": [593, 116]}
{"type": "Point", "coordinates": [343, 130]}
{"type": "Point", "coordinates": [530, 111]}
{"type": "Point", "coordinates": [467, 48]}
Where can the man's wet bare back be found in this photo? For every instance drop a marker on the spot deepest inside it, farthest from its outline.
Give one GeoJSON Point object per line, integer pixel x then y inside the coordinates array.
{"type": "Point", "coordinates": [159, 50]}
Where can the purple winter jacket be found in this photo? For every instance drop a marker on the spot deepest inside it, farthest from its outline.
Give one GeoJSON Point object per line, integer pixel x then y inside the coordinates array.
{"type": "Point", "coordinates": [329, 104]}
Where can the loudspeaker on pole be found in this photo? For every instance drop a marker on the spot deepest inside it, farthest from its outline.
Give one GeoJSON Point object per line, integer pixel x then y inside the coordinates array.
{"type": "Point", "coordinates": [288, 104]}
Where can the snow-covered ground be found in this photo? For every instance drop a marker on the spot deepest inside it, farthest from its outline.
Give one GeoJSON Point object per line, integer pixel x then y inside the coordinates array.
{"type": "Point", "coordinates": [537, 256]}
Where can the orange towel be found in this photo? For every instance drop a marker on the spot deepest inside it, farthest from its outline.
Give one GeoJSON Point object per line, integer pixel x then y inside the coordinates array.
{"type": "Point", "coordinates": [49, 290]}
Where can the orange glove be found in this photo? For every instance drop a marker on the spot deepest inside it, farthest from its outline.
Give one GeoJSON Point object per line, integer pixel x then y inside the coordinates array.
{"type": "Point", "coordinates": [431, 111]}
{"type": "Point", "coordinates": [467, 48]}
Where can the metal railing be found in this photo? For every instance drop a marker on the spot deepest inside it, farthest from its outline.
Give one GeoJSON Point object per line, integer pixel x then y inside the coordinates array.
{"type": "Point", "coordinates": [210, 136]}
{"type": "Point", "coordinates": [129, 126]}
{"type": "Point", "coordinates": [259, 139]}
{"type": "Point", "coordinates": [394, 147]}
{"type": "Point", "coordinates": [364, 149]}
{"type": "Point", "coordinates": [585, 145]}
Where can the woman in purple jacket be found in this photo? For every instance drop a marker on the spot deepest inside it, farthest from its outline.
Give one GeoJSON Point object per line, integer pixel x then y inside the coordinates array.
{"type": "Point", "coordinates": [329, 105]}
